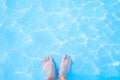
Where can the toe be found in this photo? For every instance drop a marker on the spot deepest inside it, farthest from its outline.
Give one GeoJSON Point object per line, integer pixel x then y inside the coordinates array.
{"type": "Point", "coordinates": [64, 57]}
{"type": "Point", "coordinates": [50, 58]}
{"type": "Point", "coordinates": [68, 59]}
{"type": "Point", "coordinates": [47, 58]}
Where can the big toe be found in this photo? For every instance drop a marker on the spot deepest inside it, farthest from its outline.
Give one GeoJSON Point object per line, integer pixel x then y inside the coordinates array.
{"type": "Point", "coordinates": [68, 59]}
{"type": "Point", "coordinates": [50, 59]}
{"type": "Point", "coordinates": [64, 58]}
{"type": "Point", "coordinates": [47, 60]}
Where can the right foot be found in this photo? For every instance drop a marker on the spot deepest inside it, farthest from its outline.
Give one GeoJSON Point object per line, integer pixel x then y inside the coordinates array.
{"type": "Point", "coordinates": [65, 66]}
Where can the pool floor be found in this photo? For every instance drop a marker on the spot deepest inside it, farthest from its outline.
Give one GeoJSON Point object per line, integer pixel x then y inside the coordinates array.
{"type": "Point", "coordinates": [86, 30]}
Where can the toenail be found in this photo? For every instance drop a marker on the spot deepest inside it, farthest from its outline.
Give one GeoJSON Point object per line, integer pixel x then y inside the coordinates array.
{"type": "Point", "coordinates": [65, 57]}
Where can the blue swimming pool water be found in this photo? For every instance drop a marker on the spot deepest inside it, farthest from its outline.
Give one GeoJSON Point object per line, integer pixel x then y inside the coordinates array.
{"type": "Point", "coordinates": [86, 30]}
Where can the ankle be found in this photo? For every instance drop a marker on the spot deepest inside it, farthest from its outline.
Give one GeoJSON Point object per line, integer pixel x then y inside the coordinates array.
{"type": "Point", "coordinates": [62, 78]}
{"type": "Point", "coordinates": [50, 78]}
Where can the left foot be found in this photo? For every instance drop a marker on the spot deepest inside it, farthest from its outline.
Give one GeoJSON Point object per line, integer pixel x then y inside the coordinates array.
{"type": "Point", "coordinates": [49, 68]}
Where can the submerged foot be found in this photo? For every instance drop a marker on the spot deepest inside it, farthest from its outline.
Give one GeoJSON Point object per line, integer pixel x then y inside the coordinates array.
{"type": "Point", "coordinates": [49, 68]}
{"type": "Point", "coordinates": [64, 67]}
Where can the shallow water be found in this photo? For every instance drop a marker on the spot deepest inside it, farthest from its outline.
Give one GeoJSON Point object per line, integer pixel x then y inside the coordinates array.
{"type": "Point", "coordinates": [86, 30]}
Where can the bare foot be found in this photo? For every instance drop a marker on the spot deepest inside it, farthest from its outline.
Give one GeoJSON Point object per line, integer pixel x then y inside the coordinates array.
{"type": "Point", "coordinates": [49, 68]}
{"type": "Point", "coordinates": [65, 66]}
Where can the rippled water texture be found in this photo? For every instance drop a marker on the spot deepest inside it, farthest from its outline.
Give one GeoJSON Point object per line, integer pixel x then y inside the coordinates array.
{"type": "Point", "coordinates": [86, 30]}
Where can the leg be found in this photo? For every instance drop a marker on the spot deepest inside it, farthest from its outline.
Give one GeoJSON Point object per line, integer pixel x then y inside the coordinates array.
{"type": "Point", "coordinates": [49, 68]}
{"type": "Point", "coordinates": [64, 67]}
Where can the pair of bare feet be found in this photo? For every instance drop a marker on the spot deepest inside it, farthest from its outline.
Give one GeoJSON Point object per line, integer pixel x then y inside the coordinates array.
{"type": "Point", "coordinates": [49, 68]}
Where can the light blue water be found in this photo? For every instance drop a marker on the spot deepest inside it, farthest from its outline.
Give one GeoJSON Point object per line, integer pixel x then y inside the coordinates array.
{"type": "Point", "coordinates": [86, 30]}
